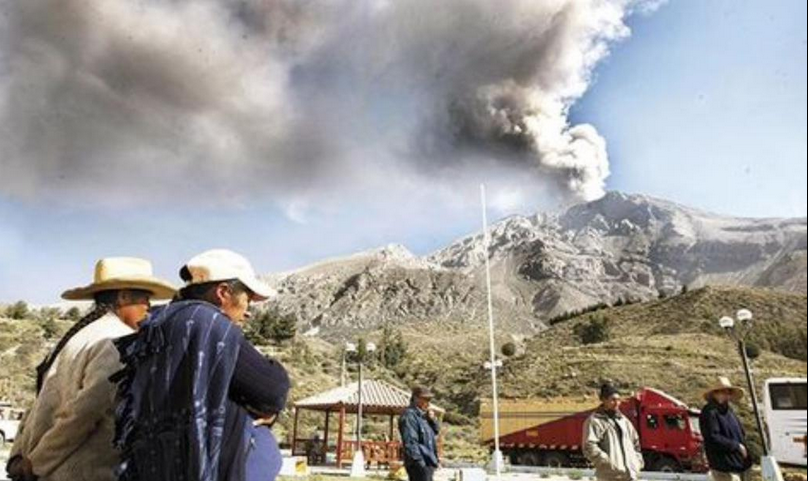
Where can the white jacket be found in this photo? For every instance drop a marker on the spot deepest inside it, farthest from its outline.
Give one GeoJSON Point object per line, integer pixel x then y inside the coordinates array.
{"type": "Point", "coordinates": [68, 432]}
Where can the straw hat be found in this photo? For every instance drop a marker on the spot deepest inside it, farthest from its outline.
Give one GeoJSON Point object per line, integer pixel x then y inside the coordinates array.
{"type": "Point", "coordinates": [724, 384]}
{"type": "Point", "coordinates": [114, 273]}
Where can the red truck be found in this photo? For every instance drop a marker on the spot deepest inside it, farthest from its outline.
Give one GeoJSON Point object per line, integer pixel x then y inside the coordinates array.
{"type": "Point", "coordinates": [549, 433]}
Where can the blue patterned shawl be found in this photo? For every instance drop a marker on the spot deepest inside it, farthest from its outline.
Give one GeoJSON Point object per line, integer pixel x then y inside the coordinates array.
{"type": "Point", "coordinates": [173, 397]}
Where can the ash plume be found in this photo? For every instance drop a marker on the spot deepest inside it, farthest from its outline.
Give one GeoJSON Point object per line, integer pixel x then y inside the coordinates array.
{"type": "Point", "coordinates": [217, 99]}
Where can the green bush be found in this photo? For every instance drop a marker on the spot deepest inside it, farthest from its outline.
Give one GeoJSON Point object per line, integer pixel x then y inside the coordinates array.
{"type": "Point", "coordinates": [753, 351]}
{"type": "Point", "coordinates": [509, 349]}
{"type": "Point", "coordinates": [595, 331]}
{"type": "Point", "coordinates": [73, 314]}
{"type": "Point", "coordinates": [18, 310]}
{"type": "Point", "coordinates": [392, 347]}
{"type": "Point", "coordinates": [271, 326]}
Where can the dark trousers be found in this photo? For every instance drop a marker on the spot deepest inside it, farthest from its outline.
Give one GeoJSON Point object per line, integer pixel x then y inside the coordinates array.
{"type": "Point", "coordinates": [419, 473]}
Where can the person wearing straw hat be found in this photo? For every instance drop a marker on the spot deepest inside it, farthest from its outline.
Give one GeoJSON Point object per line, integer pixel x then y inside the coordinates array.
{"type": "Point", "coordinates": [724, 435]}
{"type": "Point", "coordinates": [196, 398]}
{"type": "Point", "coordinates": [67, 434]}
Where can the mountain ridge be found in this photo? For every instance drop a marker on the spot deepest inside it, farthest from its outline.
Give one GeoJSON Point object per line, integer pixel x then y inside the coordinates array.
{"type": "Point", "coordinates": [620, 247]}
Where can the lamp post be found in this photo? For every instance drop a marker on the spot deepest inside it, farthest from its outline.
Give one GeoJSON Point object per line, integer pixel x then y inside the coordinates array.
{"type": "Point", "coordinates": [493, 362]}
{"type": "Point", "coordinates": [738, 328]}
{"type": "Point", "coordinates": [361, 352]}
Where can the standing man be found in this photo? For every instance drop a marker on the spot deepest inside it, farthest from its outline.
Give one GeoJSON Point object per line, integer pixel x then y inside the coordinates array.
{"type": "Point", "coordinates": [419, 429]}
{"type": "Point", "coordinates": [196, 398]}
{"type": "Point", "coordinates": [67, 434]}
{"type": "Point", "coordinates": [611, 443]}
{"type": "Point", "coordinates": [724, 436]}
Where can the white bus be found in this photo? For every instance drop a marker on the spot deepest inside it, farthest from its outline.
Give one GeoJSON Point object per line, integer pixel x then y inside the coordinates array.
{"type": "Point", "coordinates": [786, 419]}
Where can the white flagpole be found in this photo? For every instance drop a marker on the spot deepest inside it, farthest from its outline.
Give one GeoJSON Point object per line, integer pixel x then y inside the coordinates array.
{"type": "Point", "coordinates": [492, 345]}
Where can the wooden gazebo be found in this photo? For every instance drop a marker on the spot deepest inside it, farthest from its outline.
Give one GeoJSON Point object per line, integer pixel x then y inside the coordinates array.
{"type": "Point", "coordinates": [378, 399]}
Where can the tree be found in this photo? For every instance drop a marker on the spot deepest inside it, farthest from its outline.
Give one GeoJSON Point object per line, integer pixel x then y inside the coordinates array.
{"type": "Point", "coordinates": [18, 310]}
{"type": "Point", "coordinates": [508, 349]}
{"type": "Point", "coordinates": [73, 314]}
{"type": "Point", "coordinates": [392, 347]}
{"type": "Point", "coordinates": [285, 328]}
{"type": "Point", "coordinates": [753, 351]}
{"type": "Point", "coordinates": [49, 327]}
{"type": "Point", "coordinates": [593, 332]}
{"type": "Point", "coordinates": [46, 317]}
{"type": "Point", "coordinates": [271, 326]}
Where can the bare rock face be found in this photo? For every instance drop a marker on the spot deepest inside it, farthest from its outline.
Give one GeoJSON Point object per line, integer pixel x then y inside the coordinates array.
{"type": "Point", "coordinates": [621, 247]}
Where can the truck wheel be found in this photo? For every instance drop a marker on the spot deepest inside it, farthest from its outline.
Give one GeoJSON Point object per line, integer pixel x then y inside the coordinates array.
{"type": "Point", "coordinates": [666, 465]}
{"type": "Point", "coordinates": [555, 459]}
{"type": "Point", "coordinates": [528, 458]}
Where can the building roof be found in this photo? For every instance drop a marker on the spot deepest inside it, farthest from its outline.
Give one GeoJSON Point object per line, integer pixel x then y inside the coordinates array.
{"type": "Point", "coordinates": [377, 398]}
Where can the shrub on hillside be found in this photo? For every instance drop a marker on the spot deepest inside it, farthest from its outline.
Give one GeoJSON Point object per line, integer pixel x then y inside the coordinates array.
{"type": "Point", "coordinates": [753, 351]}
{"type": "Point", "coordinates": [18, 310]}
{"type": "Point", "coordinates": [509, 349]}
{"type": "Point", "coordinates": [271, 326]}
{"type": "Point", "coordinates": [392, 347]}
{"type": "Point", "coordinates": [594, 331]}
{"type": "Point", "coordinates": [73, 314]}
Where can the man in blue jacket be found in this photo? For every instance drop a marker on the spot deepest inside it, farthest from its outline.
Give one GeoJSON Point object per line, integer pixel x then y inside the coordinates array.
{"type": "Point", "coordinates": [724, 436]}
{"type": "Point", "coordinates": [419, 430]}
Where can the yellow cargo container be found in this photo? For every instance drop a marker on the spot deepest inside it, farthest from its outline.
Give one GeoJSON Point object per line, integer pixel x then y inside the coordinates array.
{"type": "Point", "coordinates": [520, 414]}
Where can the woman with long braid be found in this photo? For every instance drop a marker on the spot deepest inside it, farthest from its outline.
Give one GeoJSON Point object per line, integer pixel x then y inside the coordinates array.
{"type": "Point", "coordinates": [67, 434]}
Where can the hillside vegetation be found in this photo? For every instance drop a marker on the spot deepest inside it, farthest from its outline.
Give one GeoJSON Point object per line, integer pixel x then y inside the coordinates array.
{"type": "Point", "coordinates": [673, 344]}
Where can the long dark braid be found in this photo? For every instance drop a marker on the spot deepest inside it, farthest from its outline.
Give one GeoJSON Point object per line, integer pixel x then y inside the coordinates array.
{"type": "Point", "coordinates": [103, 305]}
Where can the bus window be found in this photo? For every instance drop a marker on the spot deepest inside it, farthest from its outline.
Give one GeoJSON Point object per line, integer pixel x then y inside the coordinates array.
{"type": "Point", "coordinates": [789, 397]}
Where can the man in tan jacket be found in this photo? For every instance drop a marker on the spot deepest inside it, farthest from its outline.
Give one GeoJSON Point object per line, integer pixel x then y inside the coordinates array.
{"type": "Point", "coordinates": [610, 441]}
{"type": "Point", "coordinates": [67, 434]}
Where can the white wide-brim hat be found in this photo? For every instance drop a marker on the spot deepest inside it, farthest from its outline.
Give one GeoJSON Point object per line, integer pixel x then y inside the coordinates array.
{"type": "Point", "coordinates": [725, 384]}
{"type": "Point", "coordinates": [218, 265]}
{"type": "Point", "coordinates": [115, 273]}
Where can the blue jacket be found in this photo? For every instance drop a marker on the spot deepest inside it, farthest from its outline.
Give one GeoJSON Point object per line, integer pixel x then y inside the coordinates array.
{"type": "Point", "coordinates": [419, 436]}
{"type": "Point", "coordinates": [723, 435]}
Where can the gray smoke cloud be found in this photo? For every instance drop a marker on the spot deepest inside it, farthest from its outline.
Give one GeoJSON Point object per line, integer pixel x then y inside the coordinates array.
{"type": "Point", "coordinates": [215, 99]}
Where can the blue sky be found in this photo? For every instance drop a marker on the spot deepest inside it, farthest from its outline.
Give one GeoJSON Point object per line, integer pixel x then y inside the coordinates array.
{"type": "Point", "coordinates": [705, 104]}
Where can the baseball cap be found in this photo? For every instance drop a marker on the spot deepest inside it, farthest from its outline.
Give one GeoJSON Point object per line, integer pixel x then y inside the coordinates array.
{"type": "Point", "coordinates": [217, 265]}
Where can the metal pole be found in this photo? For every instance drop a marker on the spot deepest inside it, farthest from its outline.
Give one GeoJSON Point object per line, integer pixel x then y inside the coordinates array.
{"type": "Point", "coordinates": [491, 341]}
{"type": "Point", "coordinates": [342, 370]}
{"type": "Point", "coordinates": [753, 394]}
{"type": "Point", "coordinates": [359, 411]}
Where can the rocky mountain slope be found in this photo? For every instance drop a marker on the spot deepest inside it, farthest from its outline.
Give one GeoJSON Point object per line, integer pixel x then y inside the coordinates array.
{"type": "Point", "coordinates": [628, 247]}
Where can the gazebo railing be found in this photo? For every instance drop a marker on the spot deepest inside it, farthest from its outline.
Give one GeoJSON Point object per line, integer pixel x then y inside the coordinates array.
{"type": "Point", "coordinates": [375, 452]}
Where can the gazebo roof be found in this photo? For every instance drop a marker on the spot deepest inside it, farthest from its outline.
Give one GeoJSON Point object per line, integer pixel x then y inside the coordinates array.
{"type": "Point", "coordinates": [377, 398]}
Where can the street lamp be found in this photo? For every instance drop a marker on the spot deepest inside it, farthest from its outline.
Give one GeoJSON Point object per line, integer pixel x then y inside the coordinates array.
{"type": "Point", "coordinates": [361, 352]}
{"type": "Point", "coordinates": [738, 328]}
{"type": "Point", "coordinates": [497, 459]}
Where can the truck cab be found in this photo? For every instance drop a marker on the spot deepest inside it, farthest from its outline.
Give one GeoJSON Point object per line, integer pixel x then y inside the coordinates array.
{"type": "Point", "coordinates": [669, 432]}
